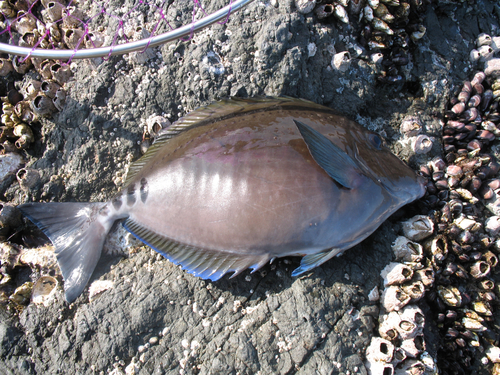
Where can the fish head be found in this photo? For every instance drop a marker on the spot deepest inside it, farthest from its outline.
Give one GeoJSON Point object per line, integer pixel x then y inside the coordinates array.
{"type": "Point", "coordinates": [385, 168]}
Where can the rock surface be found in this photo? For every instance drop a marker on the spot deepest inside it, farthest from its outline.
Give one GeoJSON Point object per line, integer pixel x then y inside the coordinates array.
{"type": "Point", "coordinates": [157, 319]}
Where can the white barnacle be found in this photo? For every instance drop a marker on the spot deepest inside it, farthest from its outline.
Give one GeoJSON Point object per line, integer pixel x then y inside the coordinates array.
{"type": "Point", "coordinates": [483, 39]}
{"type": "Point", "coordinates": [340, 12]}
{"type": "Point", "coordinates": [377, 367]}
{"type": "Point", "coordinates": [377, 58]}
{"type": "Point", "coordinates": [411, 126]}
{"type": "Point", "coordinates": [44, 290]}
{"type": "Point", "coordinates": [406, 250]}
{"type": "Point", "coordinates": [412, 366]}
{"type": "Point", "coordinates": [418, 227]}
{"type": "Point", "coordinates": [474, 55]}
{"type": "Point", "coordinates": [99, 286]}
{"type": "Point", "coordinates": [485, 53]}
{"type": "Point", "coordinates": [495, 43]}
{"type": "Point", "coordinates": [389, 325]}
{"type": "Point", "coordinates": [305, 6]}
{"type": "Point", "coordinates": [413, 346]}
{"type": "Point", "coordinates": [341, 61]}
{"type": "Point", "coordinates": [380, 350]}
{"type": "Point", "coordinates": [422, 143]}
{"type": "Point", "coordinates": [394, 298]}
{"type": "Point", "coordinates": [396, 273]}
{"type": "Point", "coordinates": [493, 354]}
{"type": "Point", "coordinates": [411, 322]}
{"type": "Point", "coordinates": [415, 290]}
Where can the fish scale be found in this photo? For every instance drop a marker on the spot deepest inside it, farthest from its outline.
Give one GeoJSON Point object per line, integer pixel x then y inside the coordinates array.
{"type": "Point", "coordinates": [236, 184]}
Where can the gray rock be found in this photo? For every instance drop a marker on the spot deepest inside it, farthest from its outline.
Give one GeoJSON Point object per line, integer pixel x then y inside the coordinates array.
{"type": "Point", "coordinates": [265, 322]}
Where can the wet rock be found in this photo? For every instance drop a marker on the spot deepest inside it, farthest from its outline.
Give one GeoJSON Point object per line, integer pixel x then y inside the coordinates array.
{"type": "Point", "coordinates": [267, 321]}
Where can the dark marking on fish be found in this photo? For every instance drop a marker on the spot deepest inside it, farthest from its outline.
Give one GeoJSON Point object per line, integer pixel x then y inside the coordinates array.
{"type": "Point", "coordinates": [131, 195]}
{"type": "Point", "coordinates": [144, 190]}
{"type": "Point", "coordinates": [117, 202]}
{"type": "Point", "coordinates": [104, 211]}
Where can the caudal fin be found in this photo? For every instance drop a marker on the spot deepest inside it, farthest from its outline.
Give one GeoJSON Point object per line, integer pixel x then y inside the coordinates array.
{"type": "Point", "coordinates": [76, 234]}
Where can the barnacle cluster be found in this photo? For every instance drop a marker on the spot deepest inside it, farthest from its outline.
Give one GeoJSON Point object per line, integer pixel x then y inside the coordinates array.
{"type": "Point", "coordinates": [462, 196]}
{"type": "Point", "coordinates": [386, 28]}
{"type": "Point", "coordinates": [38, 24]}
{"type": "Point", "coordinates": [47, 24]}
{"type": "Point", "coordinates": [41, 289]}
{"type": "Point", "coordinates": [401, 347]}
{"type": "Point", "coordinates": [447, 258]}
{"type": "Point", "coordinates": [16, 289]}
{"type": "Point", "coordinates": [414, 135]}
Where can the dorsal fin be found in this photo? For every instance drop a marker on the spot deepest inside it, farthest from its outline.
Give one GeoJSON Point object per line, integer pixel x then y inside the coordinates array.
{"type": "Point", "coordinates": [211, 113]}
{"type": "Point", "coordinates": [207, 264]}
{"type": "Point", "coordinates": [226, 107]}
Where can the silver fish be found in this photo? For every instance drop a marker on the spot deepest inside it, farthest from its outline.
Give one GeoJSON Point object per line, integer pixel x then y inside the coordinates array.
{"type": "Point", "coordinates": [236, 184]}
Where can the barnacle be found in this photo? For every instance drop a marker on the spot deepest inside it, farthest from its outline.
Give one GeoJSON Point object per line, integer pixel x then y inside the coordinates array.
{"type": "Point", "coordinates": [28, 178]}
{"type": "Point", "coordinates": [422, 144]}
{"type": "Point", "coordinates": [44, 290]}
{"type": "Point", "coordinates": [305, 6]}
{"type": "Point", "coordinates": [22, 294]}
{"type": "Point", "coordinates": [5, 67]}
{"type": "Point", "coordinates": [42, 105]}
{"type": "Point", "coordinates": [155, 123]}
{"type": "Point", "coordinates": [341, 61]}
{"type": "Point", "coordinates": [406, 250]}
{"type": "Point", "coordinates": [394, 298]}
{"type": "Point", "coordinates": [450, 295]}
{"type": "Point", "coordinates": [21, 64]}
{"type": "Point", "coordinates": [415, 290]}
{"type": "Point", "coordinates": [53, 11]}
{"type": "Point", "coordinates": [411, 126]}
{"type": "Point", "coordinates": [380, 350]}
{"type": "Point", "coordinates": [396, 273]}
{"type": "Point", "coordinates": [49, 88]}
{"type": "Point", "coordinates": [418, 227]}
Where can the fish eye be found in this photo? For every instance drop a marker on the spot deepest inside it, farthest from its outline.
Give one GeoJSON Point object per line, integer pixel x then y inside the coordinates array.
{"type": "Point", "coordinates": [376, 141]}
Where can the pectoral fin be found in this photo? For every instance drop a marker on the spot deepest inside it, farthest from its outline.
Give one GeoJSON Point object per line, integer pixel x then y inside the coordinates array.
{"type": "Point", "coordinates": [313, 260]}
{"type": "Point", "coordinates": [335, 162]}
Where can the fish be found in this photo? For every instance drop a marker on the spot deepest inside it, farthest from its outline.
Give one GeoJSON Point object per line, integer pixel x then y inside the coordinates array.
{"type": "Point", "coordinates": [235, 184]}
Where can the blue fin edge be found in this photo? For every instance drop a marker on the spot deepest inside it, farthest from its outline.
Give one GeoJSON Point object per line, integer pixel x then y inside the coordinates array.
{"type": "Point", "coordinates": [195, 260]}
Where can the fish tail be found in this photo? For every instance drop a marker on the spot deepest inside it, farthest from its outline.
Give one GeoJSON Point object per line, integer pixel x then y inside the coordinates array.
{"type": "Point", "coordinates": [77, 231]}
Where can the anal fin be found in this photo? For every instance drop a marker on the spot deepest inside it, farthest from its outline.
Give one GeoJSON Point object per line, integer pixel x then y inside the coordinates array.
{"type": "Point", "coordinates": [207, 264]}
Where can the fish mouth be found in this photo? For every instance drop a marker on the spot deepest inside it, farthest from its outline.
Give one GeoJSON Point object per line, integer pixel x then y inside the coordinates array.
{"type": "Point", "coordinates": [405, 192]}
